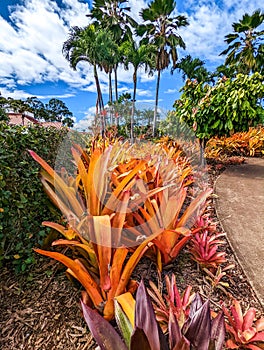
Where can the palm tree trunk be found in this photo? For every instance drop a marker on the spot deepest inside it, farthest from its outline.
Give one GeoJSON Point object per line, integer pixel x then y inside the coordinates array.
{"type": "Point", "coordinates": [100, 100]}
{"type": "Point", "coordinates": [110, 97]}
{"type": "Point", "coordinates": [156, 106]}
{"type": "Point", "coordinates": [116, 92]}
{"type": "Point", "coordinates": [133, 107]}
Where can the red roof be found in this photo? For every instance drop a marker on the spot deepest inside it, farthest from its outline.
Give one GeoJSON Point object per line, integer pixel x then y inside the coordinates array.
{"type": "Point", "coordinates": [27, 120]}
{"type": "Point", "coordinates": [21, 119]}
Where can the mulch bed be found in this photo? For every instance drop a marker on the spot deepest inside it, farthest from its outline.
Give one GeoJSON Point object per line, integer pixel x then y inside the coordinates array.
{"type": "Point", "coordinates": [45, 314]}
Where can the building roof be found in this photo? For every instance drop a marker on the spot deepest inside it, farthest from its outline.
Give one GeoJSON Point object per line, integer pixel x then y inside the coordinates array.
{"type": "Point", "coordinates": [21, 119]}
{"type": "Point", "coordinates": [27, 119]}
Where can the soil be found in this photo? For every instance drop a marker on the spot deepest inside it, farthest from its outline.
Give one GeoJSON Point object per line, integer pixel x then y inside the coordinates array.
{"type": "Point", "coordinates": [44, 313]}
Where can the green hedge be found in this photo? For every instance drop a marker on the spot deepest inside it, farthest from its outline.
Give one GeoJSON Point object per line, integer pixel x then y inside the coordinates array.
{"type": "Point", "coordinates": [23, 203]}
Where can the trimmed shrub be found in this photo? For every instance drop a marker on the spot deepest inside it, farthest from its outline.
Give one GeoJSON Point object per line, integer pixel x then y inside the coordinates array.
{"type": "Point", "coordinates": [23, 203]}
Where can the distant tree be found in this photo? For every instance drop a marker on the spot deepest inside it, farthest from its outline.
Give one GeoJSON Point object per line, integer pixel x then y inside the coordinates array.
{"type": "Point", "coordinates": [160, 29]}
{"type": "Point", "coordinates": [246, 44]}
{"type": "Point", "coordinates": [230, 106]}
{"type": "Point", "coordinates": [82, 46]}
{"type": "Point", "coordinates": [193, 68]}
{"type": "Point", "coordinates": [16, 105]}
{"type": "Point", "coordinates": [54, 110]}
{"type": "Point", "coordinates": [138, 55]}
{"type": "Point", "coordinates": [3, 115]}
{"type": "Point", "coordinates": [57, 111]}
{"type": "Point", "coordinates": [114, 16]}
{"type": "Point", "coordinates": [37, 107]}
{"type": "Point", "coordinates": [69, 122]}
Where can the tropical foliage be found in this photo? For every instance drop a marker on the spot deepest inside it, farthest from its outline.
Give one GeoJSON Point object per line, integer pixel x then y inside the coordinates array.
{"type": "Point", "coordinates": [229, 106]}
{"type": "Point", "coordinates": [160, 28]}
{"type": "Point", "coordinates": [135, 200]}
{"type": "Point", "coordinates": [200, 331]}
{"type": "Point", "coordinates": [246, 45]}
{"type": "Point", "coordinates": [248, 143]}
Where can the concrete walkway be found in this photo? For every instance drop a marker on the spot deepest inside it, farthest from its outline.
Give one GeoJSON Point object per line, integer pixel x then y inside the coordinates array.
{"type": "Point", "coordinates": [240, 209]}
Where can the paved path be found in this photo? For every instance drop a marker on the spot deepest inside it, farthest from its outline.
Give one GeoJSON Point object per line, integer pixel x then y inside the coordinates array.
{"type": "Point", "coordinates": [240, 209]}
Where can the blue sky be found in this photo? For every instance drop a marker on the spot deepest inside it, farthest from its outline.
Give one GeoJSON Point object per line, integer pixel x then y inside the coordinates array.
{"type": "Point", "coordinates": [33, 31]}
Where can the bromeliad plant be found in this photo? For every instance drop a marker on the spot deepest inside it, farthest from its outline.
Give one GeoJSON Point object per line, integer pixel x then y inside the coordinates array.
{"type": "Point", "coordinates": [109, 207]}
{"type": "Point", "coordinates": [250, 143]}
{"type": "Point", "coordinates": [143, 332]}
{"type": "Point", "coordinates": [205, 243]}
{"type": "Point", "coordinates": [243, 331]}
{"type": "Point", "coordinates": [214, 278]}
{"type": "Point", "coordinates": [95, 219]}
{"type": "Point", "coordinates": [171, 302]}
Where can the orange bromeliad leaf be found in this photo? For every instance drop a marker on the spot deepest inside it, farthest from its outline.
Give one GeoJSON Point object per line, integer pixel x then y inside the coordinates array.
{"type": "Point", "coordinates": [193, 208]}
{"type": "Point", "coordinates": [67, 233]}
{"type": "Point", "coordinates": [102, 234]}
{"type": "Point", "coordinates": [123, 185]}
{"type": "Point", "coordinates": [119, 257]}
{"type": "Point", "coordinates": [118, 221]}
{"type": "Point", "coordinates": [81, 274]}
{"type": "Point", "coordinates": [128, 304]}
{"type": "Point", "coordinates": [85, 247]}
{"type": "Point", "coordinates": [132, 262]}
{"type": "Point", "coordinates": [53, 180]}
{"type": "Point", "coordinates": [92, 181]}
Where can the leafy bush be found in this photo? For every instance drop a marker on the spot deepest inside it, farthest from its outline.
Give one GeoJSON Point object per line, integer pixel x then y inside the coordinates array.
{"type": "Point", "coordinates": [231, 105]}
{"type": "Point", "coordinates": [250, 143]}
{"type": "Point", "coordinates": [22, 204]}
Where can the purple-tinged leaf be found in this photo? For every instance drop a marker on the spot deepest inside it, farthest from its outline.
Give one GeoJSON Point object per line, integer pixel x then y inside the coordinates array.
{"type": "Point", "coordinates": [218, 331]}
{"type": "Point", "coordinates": [145, 319]}
{"type": "Point", "coordinates": [183, 344]}
{"type": "Point", "coordinates": [139, 340]}
{"type": "Point", "coordinates": [174, 330]}
{"type": "Point", "coordinates": [199, 330]}
{"type": "Point", "coordinates": [195, 305]}
{"type": "Point", "coordinates": [104, 334]}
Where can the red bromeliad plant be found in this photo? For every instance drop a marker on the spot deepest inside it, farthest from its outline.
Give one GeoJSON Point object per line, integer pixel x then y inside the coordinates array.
{"type": "Point", "coordinates": [172, 302]}
{"type": "Point", "coordinates": [244, 332]}
{"type": "Point", "coordinates": [199, 332]}
{"type": "Point", "coordinates": [205, 243]}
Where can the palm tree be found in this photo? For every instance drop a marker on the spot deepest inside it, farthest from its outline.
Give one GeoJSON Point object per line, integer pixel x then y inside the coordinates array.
{"type": "Point", "coordinates": [193, 68]}
{"type": "Point", "coordinates": [109, 56]}
{"type": "Point", "coordinates": [138, 56]}
{"type": "Point", "coordinates": [160, 29]}
{"type": "Point", "coordinates": [84, 44]}
{"type": "Point", "coordinates": [246, 45]}
{"type": "Point", "coordinates": [113, 15]}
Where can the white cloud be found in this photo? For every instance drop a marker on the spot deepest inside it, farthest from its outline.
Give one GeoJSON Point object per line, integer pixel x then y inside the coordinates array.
{"type": "Point", "coordinates": [31, 47]}
{"type": "Point", "coordinates": [209, 22]}
{"type": "Point", "coordinates": [86, 122]}
{"type": "Point", "coordinates": [170, 91]}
